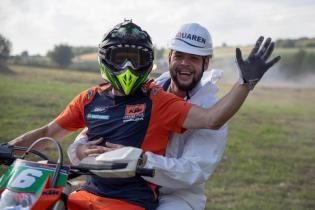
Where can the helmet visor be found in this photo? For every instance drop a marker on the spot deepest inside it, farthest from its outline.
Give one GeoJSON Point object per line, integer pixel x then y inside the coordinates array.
{"type": "Point", "coordinates": [118, 56]}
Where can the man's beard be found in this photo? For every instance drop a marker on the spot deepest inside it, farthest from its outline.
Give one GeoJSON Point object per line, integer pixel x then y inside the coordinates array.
{"type": "Point", "coordinates": [186, 87]}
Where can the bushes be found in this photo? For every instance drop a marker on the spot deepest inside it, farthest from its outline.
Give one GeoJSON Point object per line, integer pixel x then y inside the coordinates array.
{"type": "Point", "coordinates": [61, 55]}
{"type": "Point", "coordinates": [298, 63]}
{"type": "Point", "coordinates": [295, 43]}
{"type": "Point", "coordinates": [5, 48]}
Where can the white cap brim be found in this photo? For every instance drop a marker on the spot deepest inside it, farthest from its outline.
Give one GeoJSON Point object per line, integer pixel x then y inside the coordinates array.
{"type": "Point", "coordinates": [181, 46]}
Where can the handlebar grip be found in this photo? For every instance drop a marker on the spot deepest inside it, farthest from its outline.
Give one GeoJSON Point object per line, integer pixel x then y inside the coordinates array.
{"type": "Point", "coordinates": [6, 154]}
{"type": "Point", "coordinates": [145, 172]}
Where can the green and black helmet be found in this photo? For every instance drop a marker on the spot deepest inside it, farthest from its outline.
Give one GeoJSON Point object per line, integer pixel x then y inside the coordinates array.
{"type": "Point", "coordinates": [126, 57]}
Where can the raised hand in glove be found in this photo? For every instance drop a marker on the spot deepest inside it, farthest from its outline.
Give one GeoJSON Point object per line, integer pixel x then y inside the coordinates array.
{"type": "Point", "coordinates": [254, 67]}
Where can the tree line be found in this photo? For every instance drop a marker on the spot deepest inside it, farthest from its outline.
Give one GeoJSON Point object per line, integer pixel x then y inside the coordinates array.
{"type": "Point", "coordinates": [298, 62]}
{"type": "Point", "coordinates": [303, 42]}
{"type": "Point", "coordinates": [60, 56]}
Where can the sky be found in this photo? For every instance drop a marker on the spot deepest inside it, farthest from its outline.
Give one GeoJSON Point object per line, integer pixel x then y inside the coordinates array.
{"type": "Point", "coordinates": [38, 25]}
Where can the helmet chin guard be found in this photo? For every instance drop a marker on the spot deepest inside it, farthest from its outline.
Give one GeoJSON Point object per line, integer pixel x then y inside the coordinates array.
{"type": "Point", "coordinates": [127, 81]}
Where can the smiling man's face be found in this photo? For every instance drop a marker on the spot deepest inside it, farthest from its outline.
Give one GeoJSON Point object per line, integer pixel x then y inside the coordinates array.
{"type": "Point", "coordinates": [186, 69]}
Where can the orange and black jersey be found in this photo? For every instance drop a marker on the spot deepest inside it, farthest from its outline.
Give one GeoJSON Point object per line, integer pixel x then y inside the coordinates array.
{"type": "Point", "coordinates": [143, 120]}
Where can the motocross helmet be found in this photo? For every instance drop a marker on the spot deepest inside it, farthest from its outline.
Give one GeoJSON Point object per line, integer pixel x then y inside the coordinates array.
{"type": "Point", "coordinates": [125, 57]}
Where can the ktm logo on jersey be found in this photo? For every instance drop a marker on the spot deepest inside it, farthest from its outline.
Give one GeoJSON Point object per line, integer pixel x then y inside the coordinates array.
{"type": "Point", "coordinates": [134, 112]}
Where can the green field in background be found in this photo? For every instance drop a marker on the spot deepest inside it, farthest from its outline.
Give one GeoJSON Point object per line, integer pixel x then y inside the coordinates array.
{"type": "Point", "coordinates": [269, 158]}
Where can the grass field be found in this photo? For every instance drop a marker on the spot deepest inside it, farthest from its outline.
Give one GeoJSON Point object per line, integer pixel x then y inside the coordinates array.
{"type": "Point", "coordinates": [269, 159]}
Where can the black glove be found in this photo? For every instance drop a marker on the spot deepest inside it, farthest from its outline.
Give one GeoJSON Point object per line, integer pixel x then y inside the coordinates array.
{"type": "Point", "coordinates": [253, 68]}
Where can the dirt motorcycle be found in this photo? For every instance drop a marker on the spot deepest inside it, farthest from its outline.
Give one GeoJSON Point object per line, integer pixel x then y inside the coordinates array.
{"type": "Point", "coordinates": [45, 184]}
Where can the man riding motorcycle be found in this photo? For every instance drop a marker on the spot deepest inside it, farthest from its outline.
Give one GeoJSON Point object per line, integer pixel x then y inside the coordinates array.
{"type": "Point", "coordinates": [195, 152]}
{"type": "Point", "coordinates": [131, 111]}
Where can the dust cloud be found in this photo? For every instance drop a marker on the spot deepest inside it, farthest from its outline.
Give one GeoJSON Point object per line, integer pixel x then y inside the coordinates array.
{"type": "Point", "coordinates": [275, 77]}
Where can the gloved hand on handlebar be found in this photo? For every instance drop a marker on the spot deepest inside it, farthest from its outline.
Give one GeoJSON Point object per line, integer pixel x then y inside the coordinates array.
{"type": "Point", "coordinates": [254, 67]}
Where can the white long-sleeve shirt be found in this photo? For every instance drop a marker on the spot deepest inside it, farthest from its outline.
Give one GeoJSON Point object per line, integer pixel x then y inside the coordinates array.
{"type": "Point", "coordinates": [190, 157]}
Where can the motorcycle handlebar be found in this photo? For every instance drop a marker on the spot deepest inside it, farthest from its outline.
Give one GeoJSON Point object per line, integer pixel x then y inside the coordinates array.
{"type": "Point", "coordinates": [85, 169]}
{"type": "Point", "coordinates": [145, 172]}
{"type": "Point", "coordinates": [7, 157]}
{"type": "Point", "coordinates": [7, 153]}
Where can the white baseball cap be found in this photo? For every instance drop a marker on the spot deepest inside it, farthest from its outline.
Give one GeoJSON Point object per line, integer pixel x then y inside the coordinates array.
{"type": "Point", "coordinates": [192, 38]}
